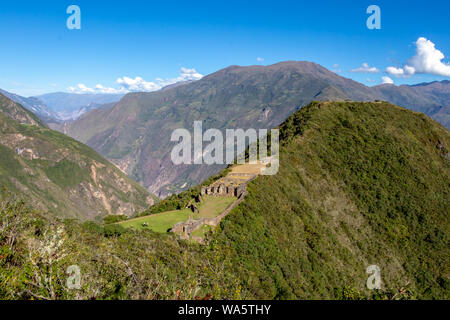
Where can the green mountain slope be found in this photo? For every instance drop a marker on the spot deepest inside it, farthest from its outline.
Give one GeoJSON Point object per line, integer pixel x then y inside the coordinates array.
{"type": "Point", "coordinates": [16, 112]}
{"type": "Point", "coordinates": [58, 174]}
{"type": "Point", "coordinates": [34, 105]}
{"type": "Point", "coordinates": [359, 184]}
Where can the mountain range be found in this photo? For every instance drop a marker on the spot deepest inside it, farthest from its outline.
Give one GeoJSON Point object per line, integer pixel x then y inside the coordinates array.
{"type": "Point", "coordinates": [60, 107]}
{"type": "Point", "coordinates": [135, 132]}
{"type": "Point", "coordinates": [431, 98]}
{"type": "Point", "coordinates": [70, 106]}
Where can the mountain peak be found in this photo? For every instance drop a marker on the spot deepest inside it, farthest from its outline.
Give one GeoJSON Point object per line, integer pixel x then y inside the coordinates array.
{"type": "Point", "coordinates": [305, 66]}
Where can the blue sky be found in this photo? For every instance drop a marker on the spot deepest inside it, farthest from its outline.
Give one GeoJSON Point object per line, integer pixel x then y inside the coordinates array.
{"type": "Point", "coordinates": [152, 40]}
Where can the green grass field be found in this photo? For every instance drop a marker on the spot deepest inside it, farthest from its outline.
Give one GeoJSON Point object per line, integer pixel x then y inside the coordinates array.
{"type": "Point", "coordinates": [162, 222]}
{"type": "Point", "coordinates": [213, 206]}
{"type": "Point", "coordinates": [202, 231]}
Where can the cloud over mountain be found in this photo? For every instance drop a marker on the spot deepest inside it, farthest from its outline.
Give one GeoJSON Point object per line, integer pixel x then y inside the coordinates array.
{"type": "Point", "coordinates": [427, 60]}
{"type": "Point", "coordinates": [365, 68]}
{"type": "Point", "coordinates": [138, 84]}
{"type": "Point", "coordinates": [387, 80]}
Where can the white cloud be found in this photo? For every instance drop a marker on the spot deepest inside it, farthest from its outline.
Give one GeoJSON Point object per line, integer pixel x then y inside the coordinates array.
{"type": "Point", "coordinates": [189, 74]}
{"type": "Point", "coordinates": [387, 80]}
{"type": "Point", "coordinates": [428, 60]}
{"type": "Point", "coordinates": [393, 71]}
{"type": "Point", "coordinates": [81, 88]}
{"type": "Point", "coordinates": [365, 68]}
{"type": "Point", "coordinates": [404, 72]}
{"type": "Point", "coordinates": [138, 84]}
{"type": "Point", "coordinates": [336, 68]}
{"type": "Point", "coordinates": [101, 89]}
{"type": "Point", "coordinates": [259, 59]}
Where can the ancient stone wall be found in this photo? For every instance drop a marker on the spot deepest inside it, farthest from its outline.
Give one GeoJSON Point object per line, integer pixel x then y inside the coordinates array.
{"type": "Point", "coordinates": [223, 191]}
{"type": "Point", "coordinates": [233, 185]}
{"type": "Point", "coordinates": [185, 229]}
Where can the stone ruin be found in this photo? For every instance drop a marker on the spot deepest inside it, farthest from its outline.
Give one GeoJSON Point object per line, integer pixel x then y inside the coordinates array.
{"type": "Point", "coordinates": [185, 229]}
{"type": "Point", "coordinates": [222, 190]}
{"type": "Point", "coordinates": [233, 185]}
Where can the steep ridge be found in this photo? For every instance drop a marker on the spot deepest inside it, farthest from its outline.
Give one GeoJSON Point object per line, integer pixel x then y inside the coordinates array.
{"type": "Point", "coordinates": [359, 184]}
{"type": "Point", "coordinates": [18, 113]}
{"type": "Point", "coordinates": [34, 105]}
{"type": "Point", "coordinates": [58, 174]}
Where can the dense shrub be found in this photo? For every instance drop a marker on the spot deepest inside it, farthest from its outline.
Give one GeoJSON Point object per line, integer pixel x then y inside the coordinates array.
{"type": "Point", "coordinates": [114, 218]}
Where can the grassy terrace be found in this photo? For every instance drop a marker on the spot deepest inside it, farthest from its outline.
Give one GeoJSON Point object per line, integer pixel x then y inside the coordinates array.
{"type": "Point", "coordinates": [162, 222]}
{"type": "Point", "coordinates": [202, 231]}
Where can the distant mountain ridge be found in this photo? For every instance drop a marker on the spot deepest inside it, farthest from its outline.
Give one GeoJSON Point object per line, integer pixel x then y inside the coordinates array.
{"type": "Point", "coordinates": [18, 113]}
{"type": "Point", "coordinates": [64, 101]}
{"type": "Point", "coordinates": [135, 133]}
{"type": "Point", "coordinates": [56, 108]}
{"type": "Point", "coordinates": [70, 106]}
{"type": "Point", "coordinates": [34, 105]}
{"type": "Point", "coordinates": [432, 98]}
